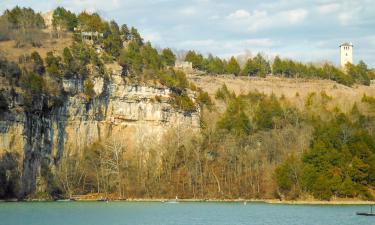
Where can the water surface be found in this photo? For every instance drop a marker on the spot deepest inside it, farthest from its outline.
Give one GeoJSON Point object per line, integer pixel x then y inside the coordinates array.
{"type": "Point", "coordinates": [154, 213]}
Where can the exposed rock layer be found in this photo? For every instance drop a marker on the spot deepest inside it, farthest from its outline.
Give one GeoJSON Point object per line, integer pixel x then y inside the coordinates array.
{"type": "Point", "coordinates": [42, 135]}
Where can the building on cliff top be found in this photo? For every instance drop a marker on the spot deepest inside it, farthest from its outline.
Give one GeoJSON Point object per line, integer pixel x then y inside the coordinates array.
{"type": "Point", "coordinates": [346, 54]}
{"type": "Point", "coordinates": [183, 65]}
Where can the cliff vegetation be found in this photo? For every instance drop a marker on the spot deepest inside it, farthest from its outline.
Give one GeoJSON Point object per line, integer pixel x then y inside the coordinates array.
{"type": "Point", "coordinates": [55, 105]}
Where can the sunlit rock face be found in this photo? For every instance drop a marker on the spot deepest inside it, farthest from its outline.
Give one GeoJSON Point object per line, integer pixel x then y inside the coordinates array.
{"type": "Point", "coordinates": [42, 135]}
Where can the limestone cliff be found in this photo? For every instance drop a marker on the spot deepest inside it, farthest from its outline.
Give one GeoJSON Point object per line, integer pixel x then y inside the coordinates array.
{"type": "Point", "coordinates": [41, 134]}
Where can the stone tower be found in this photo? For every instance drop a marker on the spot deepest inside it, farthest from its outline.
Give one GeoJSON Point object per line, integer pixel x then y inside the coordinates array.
{"type": "Point", "coordinates": [346, 53]}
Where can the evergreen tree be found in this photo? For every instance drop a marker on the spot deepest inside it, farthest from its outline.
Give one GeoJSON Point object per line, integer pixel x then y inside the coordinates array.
{"type": "Point", "coordinates": [257, 66]}
{"type": "Point", "coordinates": [131, 60]}
{"type": "Point", "coordinates": [135, 36]}
{"type": "Point", "coordinates": [277, 66]}
{"type": "Point", "coordinates": [125, 32]}
{"type": "Point", "coordinates": [235, 119]}
{"type": "Point", "coordinates": [90, 22]}
{"type": "Point", "coordinates": [38, 65]}
{"type": "Point", "coordinates": [168, 57]}
{"type": "Point", "coordinates": [214, 65]}
{"type": "Point", "coordinates": [336, 163]}
{"type": "Point", "coordinates": [64, 19]}
{"type": "Point", "coordinates": [232, 67]}
{"type": "Point", "coordinates": [196, 59]}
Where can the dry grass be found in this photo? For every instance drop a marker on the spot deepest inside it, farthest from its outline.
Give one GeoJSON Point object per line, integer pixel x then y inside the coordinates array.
{"type": "Point", "coordinates": [295, 90]}
{"type": "Point", "coordinates": [8, 49]}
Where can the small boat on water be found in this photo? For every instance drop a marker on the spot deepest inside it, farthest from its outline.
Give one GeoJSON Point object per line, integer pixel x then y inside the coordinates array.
{"type": "Point", "coordinates": [365, 214]}
{"type": "Point", "coordinates": [173, 201]}
{"type": "Point", "coordinates": [371, 213]}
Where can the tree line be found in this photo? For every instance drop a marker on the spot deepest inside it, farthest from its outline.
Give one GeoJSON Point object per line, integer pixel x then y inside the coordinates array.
{"type": "Point", "coordinates": [23, 25]}
{"type": "Point", "coordinates": [260, 66]}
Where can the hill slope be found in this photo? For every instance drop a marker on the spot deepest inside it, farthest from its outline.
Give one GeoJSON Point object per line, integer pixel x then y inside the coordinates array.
{"type": "Point", "coordinates": [293, 89]}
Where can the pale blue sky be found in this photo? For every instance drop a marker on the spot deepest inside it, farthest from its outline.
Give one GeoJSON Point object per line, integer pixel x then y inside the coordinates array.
{"type": "Point", "coordinates": [309, 31]}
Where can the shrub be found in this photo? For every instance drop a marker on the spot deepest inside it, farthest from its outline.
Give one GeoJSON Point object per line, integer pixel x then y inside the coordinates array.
{"type": "Point", "coordinates": [205, 99]}
{"type": "Point", "coordinates": [32, 82]}
{"type": "Point", "coordinates": [183, 102]}
{"type": "Point", "coordinates": [89, 89]}
{"type": "Point", "coordinates": [235, 120]}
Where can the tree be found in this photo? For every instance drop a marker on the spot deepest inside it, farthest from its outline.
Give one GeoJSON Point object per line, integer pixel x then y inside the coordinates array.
{"type": "Point", "coordinates": [24, 19]}
{"type": "Point", "coordinates": [115, 29]}
{"type": "Point", "coordinates": [205, 99]}
{"type": "Point", "coordinates": [10, 70]}
{"type": "Point", "coordinates": [267, 113]}
{"type": "Point", "coordinates": [333, 73]}
{"type": "Point", "coordinates": [214, 65]}
{"type": "Point", "coordinates": [277, 66]}
{"type": "Point", "coordinates": [92, 164]}
{"type": "Point", "coordinates": [113, 44]}
{"type": "Point", "coordinates": [90, 22]}
{"type": "Point", "coordinates": [131, 60]}
{"type": "Point", "coordinates": [64, 19]}
{"type": "Point", "coordinates": [53, 64]}
{"type": "Point", "coordinates": [135, 36]}
{"type": "Point", "coordinates": [150, 57]}
{"type": "Point", "coordinates": [70, 66]}
{"type": "Point", "coordinates": [257, 66]}
{"type": "Point", "coordinates": [338, 159]}
{"type": "Point", "coordinates": [287, 176]}
{"type": "Point", "coordinates": [38, 65]}
{"type": "Point", "coordinates": [195, 59]}
{"type": "Point", "coordinates": [25, 26]}
{"type": "Point", "coordinates": [89, 89]}
{"type": "Point", "coordinates": [125, 33]}
{"type": "Point", "coordinates": [5, 32]}
{"type": "Point", "coordinates": [32, 82]}
{"type": "Point", "coordinates": [168, 57]}
{"type": "Point", "coordinates": [233, 67]}
{"type": "Point", "coordinates": [114, 162]}
{"type": "Point", "coordinates": [67, 56]}
{"type": "Point", "coordinates": [174, 79]}
{"type": "Point", "coordinates": [358, 72]}
{"type": "Point", "coordinates": [235, 120]}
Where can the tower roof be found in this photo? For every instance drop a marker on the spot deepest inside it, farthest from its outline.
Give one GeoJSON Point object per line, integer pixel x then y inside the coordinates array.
{"type": "Point", "coordinates": [347, 44]}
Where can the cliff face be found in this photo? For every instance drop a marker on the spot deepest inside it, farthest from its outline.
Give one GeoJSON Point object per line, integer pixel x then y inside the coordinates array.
{"type": "Point", "coordinates": [41, 135]}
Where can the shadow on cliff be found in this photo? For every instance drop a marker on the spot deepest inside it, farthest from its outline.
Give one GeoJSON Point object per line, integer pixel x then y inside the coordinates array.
{"type": "Point", "coordinates": [39, 161]}
{"type": "Point", "coordinates": [9, 175]}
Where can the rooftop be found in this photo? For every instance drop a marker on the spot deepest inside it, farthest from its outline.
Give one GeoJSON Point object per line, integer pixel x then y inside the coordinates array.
{"type": "Point", "coordinates": [346, 44]}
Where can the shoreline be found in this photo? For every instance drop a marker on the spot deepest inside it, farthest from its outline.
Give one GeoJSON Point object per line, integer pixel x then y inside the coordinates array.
{"type": "Point", "coordinates": [265, 201]}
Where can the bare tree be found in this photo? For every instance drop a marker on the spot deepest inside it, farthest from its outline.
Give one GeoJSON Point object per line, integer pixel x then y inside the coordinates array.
{"type": "Point", "coordinates": [113, 162]}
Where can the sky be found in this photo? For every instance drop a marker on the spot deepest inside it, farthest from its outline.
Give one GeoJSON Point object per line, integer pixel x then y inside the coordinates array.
{"type": "Point", "coordinates": [303, 30]}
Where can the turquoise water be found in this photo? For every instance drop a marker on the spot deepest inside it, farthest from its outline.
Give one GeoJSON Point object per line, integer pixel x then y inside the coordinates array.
{"type": "Point", "coordinates": [129, 213]}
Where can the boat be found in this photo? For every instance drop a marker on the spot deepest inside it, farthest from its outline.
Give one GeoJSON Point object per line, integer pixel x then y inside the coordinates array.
{"type": "Point", "coordinates": [371, 213]}
{"type": "Point", "coordinates": [173, 201]}
{"type": "Point", "coordinates": [365, 214]}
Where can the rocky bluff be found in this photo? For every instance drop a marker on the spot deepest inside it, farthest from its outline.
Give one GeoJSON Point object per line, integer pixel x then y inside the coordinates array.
{"type": "Point", "coordinates": [42, 136]}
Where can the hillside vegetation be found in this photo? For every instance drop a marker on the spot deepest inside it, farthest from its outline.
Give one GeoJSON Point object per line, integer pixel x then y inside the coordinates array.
{"type": "Point", "coordinates": [260, 66]}
{"type": "Point", "coordinates": [306, 132]}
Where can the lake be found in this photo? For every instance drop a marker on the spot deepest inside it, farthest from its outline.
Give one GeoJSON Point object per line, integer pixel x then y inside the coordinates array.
{"type": "Point", "coordinates": [155, 213]}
